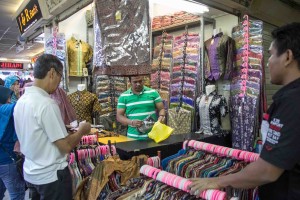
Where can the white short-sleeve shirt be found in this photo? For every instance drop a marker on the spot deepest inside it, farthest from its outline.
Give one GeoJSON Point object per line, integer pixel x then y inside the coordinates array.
{"type": "Point", "coordinates": [39, 124]}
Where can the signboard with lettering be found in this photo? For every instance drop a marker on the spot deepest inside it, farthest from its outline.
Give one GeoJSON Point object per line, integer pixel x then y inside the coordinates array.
{"type": "Point", "coordinates": [11, 65]}
{"type": "Point", "coordinates": [29, 16]}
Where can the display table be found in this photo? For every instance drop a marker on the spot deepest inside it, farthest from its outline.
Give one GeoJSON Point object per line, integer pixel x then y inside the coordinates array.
{"type": "Point", "coordinates": [120, 138]}
{"type": "Point", "coordinates": [130, 147]}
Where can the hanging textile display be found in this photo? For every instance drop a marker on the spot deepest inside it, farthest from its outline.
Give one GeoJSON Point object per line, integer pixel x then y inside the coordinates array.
{"type": "Point", "coordinates": [84, 158]}
{"type": "Point", "coordinates": [220, 51]}
{"type": "Point", "coordinates": [108, 89]}
{"type": "Point", "coordinates": [184, 75]}
{"type": "Point", "coordinates": [184, 80]}
{"type": "Point", "coordinates": [246, 86]}
{"type": "Point", "coordinates": [161, 65]}
{"type": "Point", "coordinates": [56, 45]}
{"type": "Point", "coordinates": [204, 160]}
{"type": "Point", "coordinates": [166, 179]}
{"type": "Point", "coordinates": [123, 47]}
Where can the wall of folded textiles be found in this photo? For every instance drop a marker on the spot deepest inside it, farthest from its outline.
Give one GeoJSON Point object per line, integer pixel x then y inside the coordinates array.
{"type": "Point", "coordinates": [246, 86]}
{"type": "Point", "coordinates": [108, 89]}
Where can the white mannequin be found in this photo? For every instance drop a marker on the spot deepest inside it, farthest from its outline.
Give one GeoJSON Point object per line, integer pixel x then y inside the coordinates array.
{"type": "Point", "coordinates": [81, 87]}
{"type": "Point", "coordinates": [209, 89]}
{"type": "Point", "coordinates": [215, 32]}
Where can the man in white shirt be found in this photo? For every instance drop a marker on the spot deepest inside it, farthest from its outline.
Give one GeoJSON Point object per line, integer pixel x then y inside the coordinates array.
{"type": "Point", "coordinates": [43, 136]}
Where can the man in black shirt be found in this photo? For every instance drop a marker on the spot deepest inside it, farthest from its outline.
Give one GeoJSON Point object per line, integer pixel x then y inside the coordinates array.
{"type": "Point", "coordinates": [277, 171]}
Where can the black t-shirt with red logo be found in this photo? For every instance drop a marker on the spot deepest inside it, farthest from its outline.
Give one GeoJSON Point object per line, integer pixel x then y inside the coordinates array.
{"type": "Point", "coordinates": [282, 145]}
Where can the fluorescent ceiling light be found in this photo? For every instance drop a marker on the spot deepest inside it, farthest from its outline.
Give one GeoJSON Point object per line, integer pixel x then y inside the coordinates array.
{"type": "Point", "coordinates": [182, 5]}
{"type": "Point", "coordinates": [21, 60]}
{"type": "Point", "coordinates": [14, 60]}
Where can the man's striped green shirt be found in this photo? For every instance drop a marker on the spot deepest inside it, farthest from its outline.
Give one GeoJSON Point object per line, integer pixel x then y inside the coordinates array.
{"type": "Point", "coordinates": [138, 107]}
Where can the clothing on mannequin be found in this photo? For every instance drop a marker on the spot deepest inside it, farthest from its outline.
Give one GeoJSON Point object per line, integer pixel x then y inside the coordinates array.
{"type": "Point", "coordinates": [211, 108]}
{"type": "Point", "coordinates": [79, 53]}
{"type": "Point", "coordinates": [219, 56]}
{"type": "Point", "coordinates": [85, 103]}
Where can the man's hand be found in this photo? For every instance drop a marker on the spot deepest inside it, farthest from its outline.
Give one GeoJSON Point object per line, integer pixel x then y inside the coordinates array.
{"type": "Point", "coordinates": [161, 119]}
{"type": "Point", "coordinates": [200, 184]}
{"type": "Point", "coordinates": [84, 128]}
{"type": "Point", "coordinates": [136, 123]}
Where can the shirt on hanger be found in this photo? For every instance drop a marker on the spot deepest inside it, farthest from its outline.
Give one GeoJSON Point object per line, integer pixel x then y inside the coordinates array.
{"type": "Point", "coordinates": [79, 53]}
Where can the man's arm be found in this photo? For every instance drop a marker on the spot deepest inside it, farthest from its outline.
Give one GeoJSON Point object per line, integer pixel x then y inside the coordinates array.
{"type": "Point", "coordinates": [121, 117]}
{"type": "Point", "coordinates": [255, 174]}
{"type": "Point", "coordinates": [161, 111]}
{"type": "Point", "coordinates": [65, 145]}
{"type": "Point", "coordinates": [125, 121]}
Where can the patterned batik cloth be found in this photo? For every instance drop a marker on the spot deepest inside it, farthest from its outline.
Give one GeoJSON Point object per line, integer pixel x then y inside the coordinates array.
{"type": "Point", "coordinates": [85, 104]}
{"type": "Point", "coordinates": [211, 109]}
{"type": "Point", "coordinates": [180, 120]}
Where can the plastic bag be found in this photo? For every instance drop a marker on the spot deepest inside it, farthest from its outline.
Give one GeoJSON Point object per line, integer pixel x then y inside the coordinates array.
{"type": "Point", "coordinates": [148, 123]}
{"type": "Point", "coordinates": [160, 132]}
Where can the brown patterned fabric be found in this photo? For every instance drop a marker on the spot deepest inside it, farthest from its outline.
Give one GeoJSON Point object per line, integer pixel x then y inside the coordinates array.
{"type": "Point", "coordinates": [85, 104]}
{"type": "Point", "coordinates": [91, 188]}
{"type": "Point", "coordinates": [180, 121]}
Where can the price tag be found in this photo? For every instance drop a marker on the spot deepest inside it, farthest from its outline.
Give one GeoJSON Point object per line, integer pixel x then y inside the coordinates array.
{"type": "Point", "coordinates": [85, 72]}
{"type": "Point", "coordinates": [118, 15]}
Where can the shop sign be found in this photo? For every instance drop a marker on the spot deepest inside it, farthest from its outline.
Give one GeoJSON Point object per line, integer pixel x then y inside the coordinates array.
{"type": "Point", "coordinates": [29, 16]}
{"type": "Point", "coordinates": [10, 65]}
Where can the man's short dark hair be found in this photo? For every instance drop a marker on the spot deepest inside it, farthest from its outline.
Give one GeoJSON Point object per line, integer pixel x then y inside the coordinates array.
{"type": "Point", "coordinates": [44, 63]}
{"type": "Point", "coordinates": [288, 37]}
{"type": "Point", "coordinates": [129, 77]}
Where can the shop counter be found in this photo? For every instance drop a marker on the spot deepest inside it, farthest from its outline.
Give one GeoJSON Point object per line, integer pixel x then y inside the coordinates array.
{"type": "Point", "coordinates": [116, 139]}
{"type": "Point", "coordinates": [128, 147]}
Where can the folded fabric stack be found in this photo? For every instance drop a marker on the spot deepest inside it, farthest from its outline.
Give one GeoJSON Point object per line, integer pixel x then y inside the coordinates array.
{"type": "Point", "coordinates": [108, 89]}
{"type": "Point", "coordinates": [183, 16]}
{"type": "Point", "coordinates": [156, 22]}
{"type": "Point", "coordinates": [176, 18]}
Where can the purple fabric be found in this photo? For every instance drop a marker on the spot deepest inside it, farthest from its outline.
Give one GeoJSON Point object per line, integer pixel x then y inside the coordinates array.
{"type": "Point", "coordinates": [214, 72]}
{"type": "Point", "coordinates": [243, 115]}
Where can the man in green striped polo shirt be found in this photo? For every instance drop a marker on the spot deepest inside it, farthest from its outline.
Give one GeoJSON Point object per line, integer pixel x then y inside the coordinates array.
{"type": "Point", "coordinates": [136, 104]}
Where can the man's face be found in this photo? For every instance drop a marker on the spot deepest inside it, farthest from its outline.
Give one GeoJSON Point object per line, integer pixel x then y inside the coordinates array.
{"type": "Point", "coordinates": [137, 83]}
{"type": "Point", "coordinates": [276, 65]}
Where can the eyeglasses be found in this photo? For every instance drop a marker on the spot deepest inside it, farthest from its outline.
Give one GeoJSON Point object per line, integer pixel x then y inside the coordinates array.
{"type": "Point", "coordinates": [59, 73]}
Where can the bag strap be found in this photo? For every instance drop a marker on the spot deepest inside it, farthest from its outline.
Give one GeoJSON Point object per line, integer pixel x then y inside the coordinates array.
{"type": "Point", "coordinates": [5, 150]}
